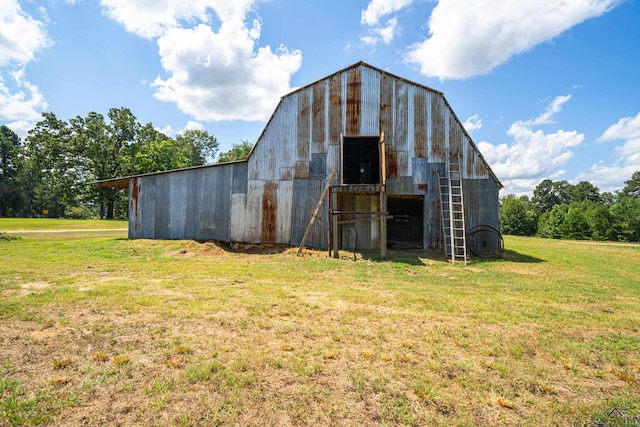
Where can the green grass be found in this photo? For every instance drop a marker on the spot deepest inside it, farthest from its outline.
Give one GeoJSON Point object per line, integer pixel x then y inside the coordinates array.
{"type": "Point", "coordinates": [195, 334]}
{"type": "Point", "coordinates": [13, 224]}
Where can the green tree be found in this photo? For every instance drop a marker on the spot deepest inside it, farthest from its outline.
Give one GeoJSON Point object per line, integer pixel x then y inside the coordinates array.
{"type": "Point", "coordinates": [238, 152]}
{"type": "Point", "coordinates": [600, 222]}
{"type": "Point", "coordinates": [549, 193]}
{"type": "Point", "coordinates": [53, 170]}
{"type": "Point", "coordinates": [551, 223]}
{"type": "Point", "coordinates": [584, 191]}
{"type": "Point", "coordinates": [632, 186]}
{"type": "Point", "coordinates": [575, 224]}
{"type": "Point", "coordinates": [10, 149]}
{"type": "Point", "coordinates": [159, 154]}
{"type": "Point", "coordinates": [518, 216]}
{"type": "Point", "coordinates": [626, 219]}
{"type": "Point", "coordinates": [197, 146]}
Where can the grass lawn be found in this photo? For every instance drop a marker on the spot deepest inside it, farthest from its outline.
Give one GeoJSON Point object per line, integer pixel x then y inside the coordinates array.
{"type": "Point", "coordinates": [43, 224]}
{"type": "Point", "coordinates": [99, 330]}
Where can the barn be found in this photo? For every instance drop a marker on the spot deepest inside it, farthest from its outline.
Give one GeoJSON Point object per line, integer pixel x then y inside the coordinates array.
{"type": "Point", "coordinates": [361, 159]}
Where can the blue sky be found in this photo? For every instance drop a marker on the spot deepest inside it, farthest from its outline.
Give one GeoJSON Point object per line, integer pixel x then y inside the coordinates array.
{"type": "Point", "coordinates": [546, 88]}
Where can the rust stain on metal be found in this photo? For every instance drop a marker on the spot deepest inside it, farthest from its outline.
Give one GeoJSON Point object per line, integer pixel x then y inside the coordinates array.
{"type": "Point", "coordinates": [455, 138]}
{"type": "Point", "coordinates": [354, 102]}
{"type": "Point", "coordinates": [437, 119]}
{"type": "Point", "coordinates": [386, 109]}
{"type": "Point", "coordinates": [269, 212]}
{"type": "Point", "coordinates": [134, 201]}
{"type": "Point", "coordinates": [423, 187]}
{"type": "Point", "coordinates": [471, 160]}
{"type": "Point", "coordinates": [319, 125]}
{"type": "Point", "coordinates": [335, 108]}
{"type": "Point", "coordinates": [420, 125]}
{"type": "Point", "coordinates": [391, 160]}
{"type": "Point", "coordinates": [304, 110]}
{"type": "Point", "coordinates": [302, 169]}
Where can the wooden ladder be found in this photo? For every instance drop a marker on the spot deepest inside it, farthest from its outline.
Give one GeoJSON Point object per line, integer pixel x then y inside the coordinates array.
{"type": "Point", "coordinates": [316, 212]}
{"type": "Point", "coordinates": [453, 223]}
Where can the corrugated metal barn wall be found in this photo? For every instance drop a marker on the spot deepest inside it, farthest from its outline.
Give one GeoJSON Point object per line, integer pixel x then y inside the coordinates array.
{"type": "Point", "coordinates": [301, 145]}
{"type": "Point", "coordinates": [189, 204]}
{"type": "Point", "coordinates": [271, 197]}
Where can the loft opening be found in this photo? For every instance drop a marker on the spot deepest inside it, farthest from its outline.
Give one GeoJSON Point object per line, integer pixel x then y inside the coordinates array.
{"type": "Point", "coordinates": [405, 227]}
{"type": "Point", "coordinates": [361, 160]}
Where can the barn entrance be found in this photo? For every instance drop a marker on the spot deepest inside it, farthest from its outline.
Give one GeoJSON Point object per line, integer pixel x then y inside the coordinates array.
{"type": "Point", "coordinates": [361, 160]}
{"type": "Point", "coordinates": [405, 228]}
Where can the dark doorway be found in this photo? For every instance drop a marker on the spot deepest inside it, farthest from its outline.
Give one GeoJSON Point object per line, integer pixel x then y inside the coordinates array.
{"type": "Point", "coordinates": [405, 228]}
{"type": "Point", "coordinates": [361, 160]}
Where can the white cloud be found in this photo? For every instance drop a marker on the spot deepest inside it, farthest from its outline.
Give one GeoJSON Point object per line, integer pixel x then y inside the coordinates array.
{"type": "Point", "coordinates": [21, 36]}
{"type": "Point", "coordinates": [372, 16]}
{"type": "Point", "coordinates": [193, 125]}
{"type": "Point", "coordinates": [212, 75]}
{"type": "Point", "coordinates": [472, 123]}
{"type": "Point", "coordinates": [533, 154]}
{"type": "Point", "coordinates": [21, 102]}
{"type": "Point", "coordinates": [220, 76]}
{"type": "Point", "coordinates": [468, 38]}
{"type": "Point", "coordinates": [150, 19]}
{"type": "Point", "coordinates": [379, 8]}
{"type": "Point", "coordinates": [611, 177]}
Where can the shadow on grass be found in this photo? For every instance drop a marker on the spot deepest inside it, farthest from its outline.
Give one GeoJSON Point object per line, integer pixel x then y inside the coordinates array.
{"type": "Point", "coordinates": [513, 256]}
{"type": "Point", "coordinates": [403, 256]}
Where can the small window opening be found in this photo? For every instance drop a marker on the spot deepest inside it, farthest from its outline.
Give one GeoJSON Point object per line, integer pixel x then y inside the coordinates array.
{"type": "Point", "coordinates": [361, 160]}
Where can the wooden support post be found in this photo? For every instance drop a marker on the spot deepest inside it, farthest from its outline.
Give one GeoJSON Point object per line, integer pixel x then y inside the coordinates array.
{"type": "Point", "coordinates": [335, 239]}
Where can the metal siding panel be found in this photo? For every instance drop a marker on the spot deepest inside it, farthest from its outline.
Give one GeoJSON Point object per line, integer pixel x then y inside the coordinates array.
{"type": "Point", "coordinates": [318, 166]}
{"type": "Point", "coordinates": [420, 168]}
{"type": "Point", "coordinates": [391, 162]}
{"type": "Point", "coordinates": [240, 177]}
{"type": "Point", "coordinates": [386, 109]}
{"type": "Point", "coordinates": [333, 159]}
{"type": "Point", "coordinates": [420, 121]}
{"type": "Point", "coordinates": [298, 216]}
{"type": "Point", "coordinates": [401, 117]}
{"type": "Point", "coordinates": [285, 207]}
{"type": "Point", "coordinates": [253, 224]}
{"type": "Point", "coordinates": [306, 195]}
{"type": "Point", "coordinates": [318, 234]}
{"type": "Point", "coordinates": [148, 208]}
{"type": "Point", "coordinates": [238, 217]}
{"type": "Point", "coordinates": [335, 108]}
{"type": "Point", "coordinates": [433, 209]}
{"type": "Point", "coordinates": [302, 169]}
{"type": "Point", "coordinates": [177, 207]}
{"type": "Point", "coordinates": [403, 163]}
{"type": "Point", "coordinates": [163, 204]}
{"type": "Point", "coordinates": [455, 137]}
{"type": "Point", "coordinates": [437, 151]}
{"type": "Point", "coordinates": [401, 186]}
{"type": "Point", "coordinates": [269, 212]}
{"type": "Point", "coordinates": [193, 203]}
{"type": "Point", "coordinates": [370, 114]}
{"type": "Point", "coordinates": [318, 127]}
{"type": "Point", "coordinates": [215, 204]}
{"type": "Point", "coordinates": [303, 125]}
{"type": "Point", "coordinates": [354, 102]}
{"type": "Point", "coordinates": [287, 174]}
{"type": "Point", "coordinates": [135, 226]}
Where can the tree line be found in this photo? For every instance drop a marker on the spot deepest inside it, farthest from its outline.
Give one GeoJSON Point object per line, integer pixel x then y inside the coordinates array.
{"type": "Point", "coordinates": [50, 172]}
{"type": "Point", "coordinates": [560, 210]}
